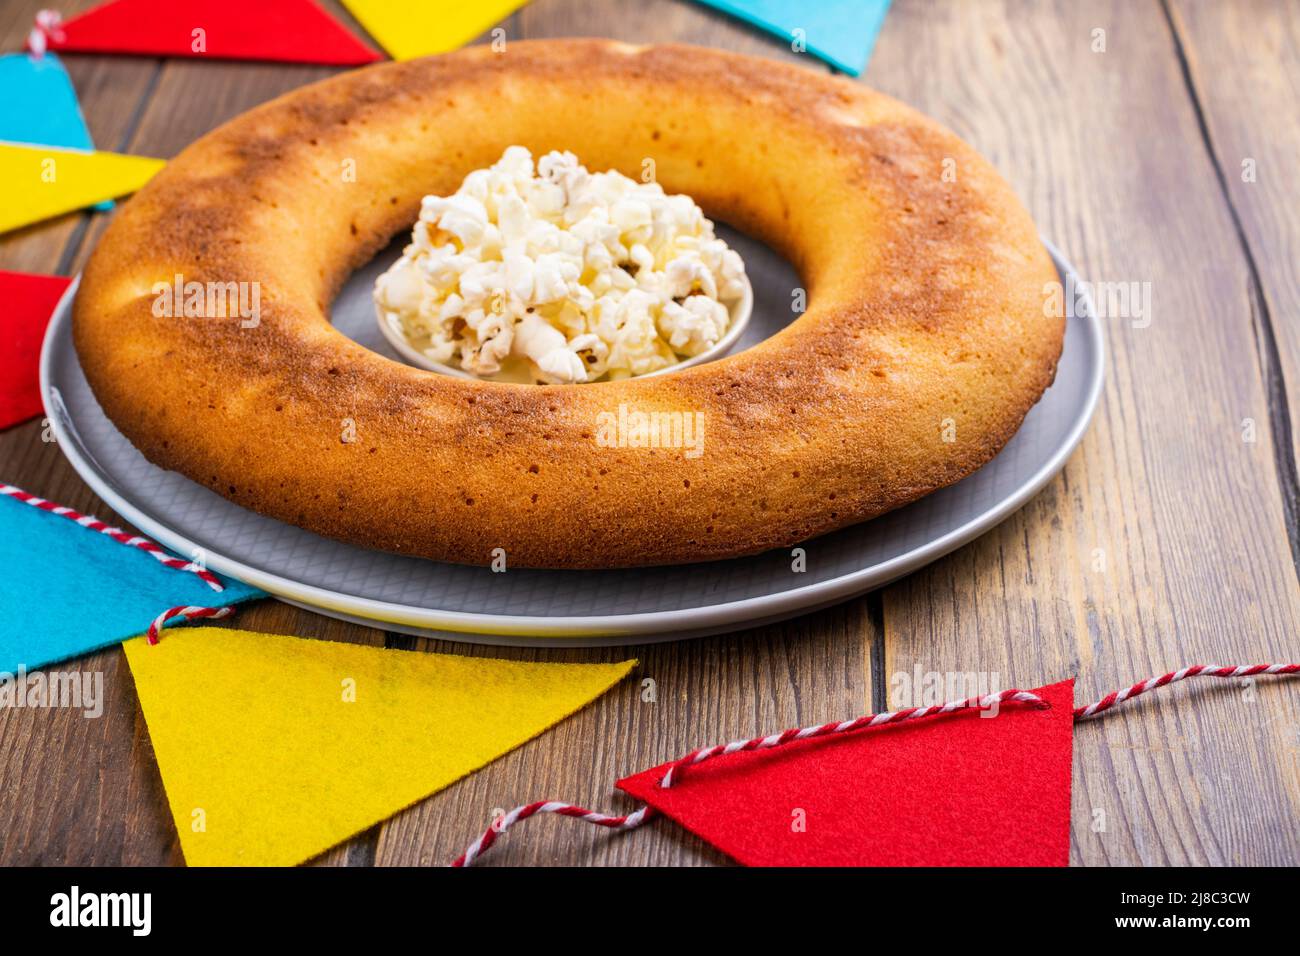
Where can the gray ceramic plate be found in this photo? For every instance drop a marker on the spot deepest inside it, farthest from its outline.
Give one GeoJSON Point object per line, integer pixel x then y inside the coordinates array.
{"type": "Point", "coordinates": [565, 607]}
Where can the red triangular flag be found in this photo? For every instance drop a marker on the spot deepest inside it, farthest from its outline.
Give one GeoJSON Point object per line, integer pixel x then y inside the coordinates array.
{"type": "Point", "coordinates": [26, 303]}
{"type": "Point", "coordinates": [291, 31]}
{"type": "Point", "coordinates": [952, 790]}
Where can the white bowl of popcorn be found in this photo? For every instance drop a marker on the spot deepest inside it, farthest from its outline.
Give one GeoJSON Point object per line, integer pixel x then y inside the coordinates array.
{"type": "Point", "coordinates": [554, 275]}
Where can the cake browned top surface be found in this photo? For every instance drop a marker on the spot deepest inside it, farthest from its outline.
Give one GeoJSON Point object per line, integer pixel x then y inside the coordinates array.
{"type": "Point", "coordinates": [924, 343]}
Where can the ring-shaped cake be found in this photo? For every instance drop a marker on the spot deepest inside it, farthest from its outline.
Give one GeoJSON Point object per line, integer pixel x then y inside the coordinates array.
{"type": "Point", "coordinates": [924, 342]}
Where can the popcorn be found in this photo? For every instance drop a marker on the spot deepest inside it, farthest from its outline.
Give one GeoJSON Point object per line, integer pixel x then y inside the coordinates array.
{"type": "Point", "coordinates": [569, 275]}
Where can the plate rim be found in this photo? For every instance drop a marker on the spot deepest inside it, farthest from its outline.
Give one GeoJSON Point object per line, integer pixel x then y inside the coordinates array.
{"type": "Point", "coordinates": [680, 621]}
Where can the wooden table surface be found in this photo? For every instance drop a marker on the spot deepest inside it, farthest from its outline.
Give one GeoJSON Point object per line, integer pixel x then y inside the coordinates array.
{"type": "Point", "coordinates": [1170, 157]}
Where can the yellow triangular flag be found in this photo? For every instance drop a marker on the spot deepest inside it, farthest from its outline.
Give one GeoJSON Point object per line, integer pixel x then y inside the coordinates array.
{"type": "Point", "coordinates": [411, 28]}
{"type": "Point", "coordinates": [37, 182]}
{"type": "Point", "coordinates": [273, 749]}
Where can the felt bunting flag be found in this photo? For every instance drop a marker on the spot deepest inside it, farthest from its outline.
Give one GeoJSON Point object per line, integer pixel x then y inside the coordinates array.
{"type": "Point", "coordinates": [411, 28]}
{"type": "Point", "coordinates": [67, 589]}
{"type": "Point", "coordinates": [841, 32]}
{"type": "Point", "coordinates": [937, 784]}
{"type": "Point", "coordinates": [273, 749]}
{"type": "Point", "coordinates": [289, 31]}
{"type": "Point", "coordinates": [961, 789]}
{"type": "Point", "coordinates": [39, 105]}
{"type": "Point", "coordinates": [39, 182]}
{"type": "Point", "coordinates": [29, 301]}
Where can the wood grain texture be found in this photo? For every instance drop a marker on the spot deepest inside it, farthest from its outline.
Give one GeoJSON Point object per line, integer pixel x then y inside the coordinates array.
{"type": "Point", "coordinates": [1165, 540]}
{"type": "Point", "coordinates": [1242, 64]}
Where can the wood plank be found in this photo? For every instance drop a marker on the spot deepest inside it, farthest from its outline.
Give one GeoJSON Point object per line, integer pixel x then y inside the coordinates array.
{"type": "Point", "coordinates": [1243, 63]}
{"type": "Point", "coordinates": [1163, 543]}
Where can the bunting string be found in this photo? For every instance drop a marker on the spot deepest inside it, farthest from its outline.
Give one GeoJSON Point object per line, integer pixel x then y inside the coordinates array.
{"type": "Point", "coordinates": [1199, 670]}
{"type": "Point", "coordinates": [117, 534]}
{"type": "Point", "coordinates": [504, 822]}
{"type": "Point", "coordinates": [48, 26]}
{"type": "Point", "coordinates": [184, 613]}
{"type": "Point", "coordinates": [674, 772]}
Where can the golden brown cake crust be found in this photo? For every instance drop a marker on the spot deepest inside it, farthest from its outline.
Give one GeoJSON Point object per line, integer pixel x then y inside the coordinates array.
{"type": "Point", "coordinates": [925, 316]}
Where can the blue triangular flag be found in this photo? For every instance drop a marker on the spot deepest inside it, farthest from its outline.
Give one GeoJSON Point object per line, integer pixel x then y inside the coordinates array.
{"type": "Point", "coordinates": [841, 32]}
{"type": "Point", "coordinates": [66, 590]}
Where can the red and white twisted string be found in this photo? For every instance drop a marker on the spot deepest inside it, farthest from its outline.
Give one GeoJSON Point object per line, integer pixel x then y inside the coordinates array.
{"type": "Point", "coordinates": [185, 612]}
{"type": "Point", "coordinates": [48, 26]}
{"type": "Point", "coordinates": [847, 726]}
{"type": "Point", "coordinates": [504, 822]}
{"type": "Point", "coordinates": [1197, 670]}
{"type": "Point", "coordinates": [117, 534]}
{"type": "Point", "coordinates": [674, 773]}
